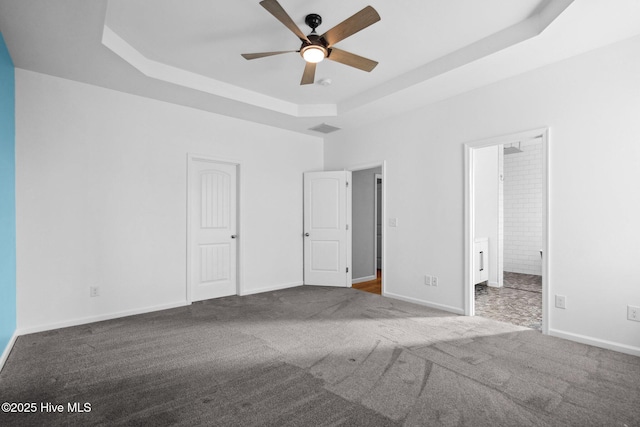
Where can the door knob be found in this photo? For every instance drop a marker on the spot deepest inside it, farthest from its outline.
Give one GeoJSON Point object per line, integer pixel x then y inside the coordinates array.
{"type": "Point", "coordinates": [306, 234]}
{"type": "Point", "coordinates": [233, 236]}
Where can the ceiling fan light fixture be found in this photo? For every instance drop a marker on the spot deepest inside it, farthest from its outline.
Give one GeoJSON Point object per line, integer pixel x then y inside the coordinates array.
{"type": "Point", "coordinates": [313, 53]}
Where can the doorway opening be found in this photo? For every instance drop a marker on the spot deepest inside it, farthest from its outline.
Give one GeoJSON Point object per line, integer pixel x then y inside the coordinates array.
{"type": "Point", "coordinates": [507, 230]}
{"type": "Point", "coordinates": [367, 229]}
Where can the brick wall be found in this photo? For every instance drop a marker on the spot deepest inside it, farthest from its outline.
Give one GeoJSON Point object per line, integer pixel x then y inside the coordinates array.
{"type": "Point", "coordinates": [523, 209]}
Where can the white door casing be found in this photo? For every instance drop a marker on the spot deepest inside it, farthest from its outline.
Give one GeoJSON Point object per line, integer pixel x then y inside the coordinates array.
{"type": "Point", "coordinates": [377, 238]}
{"type": "Point", "coordinates": [470, 259]}
{"type": "Point", "coordinates": [327, 233]}
{"type": "Point", "coordinates": [212, 231]}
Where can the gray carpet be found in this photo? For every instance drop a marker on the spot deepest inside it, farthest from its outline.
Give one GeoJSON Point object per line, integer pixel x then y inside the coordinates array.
{"type": "Point", "coordinates": [312, 356]}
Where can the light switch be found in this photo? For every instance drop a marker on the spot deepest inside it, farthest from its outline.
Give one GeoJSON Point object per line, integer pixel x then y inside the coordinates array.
{"type": "Point", "coordinates": [393, 222]}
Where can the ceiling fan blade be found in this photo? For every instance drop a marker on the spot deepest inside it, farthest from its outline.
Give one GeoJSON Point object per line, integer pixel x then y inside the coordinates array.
{"type": "Point", "coordinates": [352, 25]}
{"type": "Point", "coordinates": [351, 59]}
{"type": "Point", "coordinates": [309, 75]}
{"type": "Point", "coordinates": [274, 8]}
{"type": "Point", "coordinates": [264, 54]}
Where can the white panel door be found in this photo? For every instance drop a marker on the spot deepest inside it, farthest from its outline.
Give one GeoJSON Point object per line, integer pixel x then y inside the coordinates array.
{"type": "Point", "coordinates": [213, 234]}
{"type": "Point", "coordinates": [326, 235]}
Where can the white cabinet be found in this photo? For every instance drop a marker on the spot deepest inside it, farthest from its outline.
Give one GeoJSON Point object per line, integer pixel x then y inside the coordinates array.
{"type": "Point", "coordinates": [481, 259]}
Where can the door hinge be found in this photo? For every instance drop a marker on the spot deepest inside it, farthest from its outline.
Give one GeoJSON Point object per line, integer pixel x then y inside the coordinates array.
{"type": "Point", "coordinates": [347, 182]}
{"type": "Point", "coordinates": [347, 269]}
{"type": "Point", "coordinates": [347, 226]}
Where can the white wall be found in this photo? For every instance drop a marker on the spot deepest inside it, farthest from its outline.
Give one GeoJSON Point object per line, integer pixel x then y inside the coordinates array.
{"type": "Point", "coordinates": [363, 217]}
{"type": "Point", "coordinates": [523, 209]}
{"type": "Point", "coordinates": [591, 104]}
{"type": "Point", "coordinates": [101, 199]}
{"type": "Point", "coordinates": [487, 178]}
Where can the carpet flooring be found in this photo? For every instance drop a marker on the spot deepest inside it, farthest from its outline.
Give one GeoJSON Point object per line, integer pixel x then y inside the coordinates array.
{"type": "Point", "coordinates": [519, 301]}
{"type": "Point", "coordinates": [316, 356]}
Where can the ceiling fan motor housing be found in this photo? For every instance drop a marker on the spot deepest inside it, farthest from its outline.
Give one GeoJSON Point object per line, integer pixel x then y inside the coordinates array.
{"type": "Point", "coordinates": [316, 42]}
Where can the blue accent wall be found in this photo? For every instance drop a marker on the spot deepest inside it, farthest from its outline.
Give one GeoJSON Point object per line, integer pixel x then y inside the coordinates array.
{"type": "Point", "coordinates": [7, 198]}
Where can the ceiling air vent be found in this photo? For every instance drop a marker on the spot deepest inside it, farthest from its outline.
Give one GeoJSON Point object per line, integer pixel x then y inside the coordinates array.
{"type": "Point", "coordinates": [324, 128]}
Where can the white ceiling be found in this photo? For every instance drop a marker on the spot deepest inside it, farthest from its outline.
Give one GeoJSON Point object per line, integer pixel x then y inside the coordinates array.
{"type": "Point", "coordinates": [189, 52]}
{"type": "Point", "coordinates": [207, 38]}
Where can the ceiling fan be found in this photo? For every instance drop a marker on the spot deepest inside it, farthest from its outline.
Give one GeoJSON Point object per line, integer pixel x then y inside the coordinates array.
{"type": "Point", "coordinates": [316, 47]}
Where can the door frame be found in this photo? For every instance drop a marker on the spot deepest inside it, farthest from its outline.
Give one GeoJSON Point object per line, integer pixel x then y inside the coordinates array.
{"type": "Point", "coordinates": [469, 215]}
{"type": "Point", "coordinates": [383, 165]}
{"type": "Point", "coordinates": [191, 157]}
{"type": "Point", "coordinates": [377, 177]}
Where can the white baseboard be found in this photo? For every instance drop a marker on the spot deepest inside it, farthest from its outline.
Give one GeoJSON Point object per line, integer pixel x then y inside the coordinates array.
{"type": "Point", "coordinates": [437, 306]}
{"type": "Point", "coordinates": [271, 288]}
{"type": "Point", "coordinates": [363, 279]}
{"type": "Point", "coordinates": [596, 342]}
{"type": "Point", "coordinates": [7, 350]}
{"type": "Point", "coordinates": [91, 319]}
{"type": "Point", "coordinates": [494, 284]}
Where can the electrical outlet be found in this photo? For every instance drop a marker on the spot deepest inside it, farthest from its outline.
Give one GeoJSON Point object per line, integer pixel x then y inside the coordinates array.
{"type": "Point", "coordinates": [434, 281]}
{"type": "Point", "coordinates": [427, 280]}
{"type": "Point", "coordinates": [561, 301]}
{"type": "Point", "coordinates": [633, 313]}
{"type": "Point", "coordinates": [94, 291]}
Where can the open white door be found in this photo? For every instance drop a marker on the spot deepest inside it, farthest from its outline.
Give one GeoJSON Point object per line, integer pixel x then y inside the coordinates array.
{"type": "Point", "coordinates": [213, 229]}
{"type": "Point", "coordinates": [327, 238]}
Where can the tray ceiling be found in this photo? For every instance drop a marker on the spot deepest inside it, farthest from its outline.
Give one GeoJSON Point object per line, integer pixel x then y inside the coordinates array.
{"type": "Point", "coordinates": [188, 53]}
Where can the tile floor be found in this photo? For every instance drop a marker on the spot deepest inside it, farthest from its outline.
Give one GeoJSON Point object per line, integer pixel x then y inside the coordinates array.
{"type": "Point", "coordinates": [518, 302]}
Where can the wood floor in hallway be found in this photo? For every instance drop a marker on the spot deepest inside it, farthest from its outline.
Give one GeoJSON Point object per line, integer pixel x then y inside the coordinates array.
{"type": "Point", "coordinates": [373, 286]}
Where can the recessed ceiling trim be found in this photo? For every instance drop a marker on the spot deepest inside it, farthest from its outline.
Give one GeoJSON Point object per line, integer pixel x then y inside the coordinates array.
{"type": "Point", "coordinates": [517, 33]}
{"type": "Point", "coordinates": [178, 76]}
{"type": "Point", "coordinates": [522, 31]}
